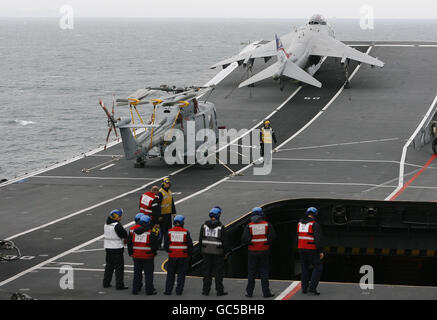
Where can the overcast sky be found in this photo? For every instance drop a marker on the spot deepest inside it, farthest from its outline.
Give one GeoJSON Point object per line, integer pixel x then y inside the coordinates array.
{"type": "Point", "coordinates": [418, 9]}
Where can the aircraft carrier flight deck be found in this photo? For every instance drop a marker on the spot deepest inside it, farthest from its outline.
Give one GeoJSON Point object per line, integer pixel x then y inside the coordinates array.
{"type": "Point", "coordinates": [333, 143]}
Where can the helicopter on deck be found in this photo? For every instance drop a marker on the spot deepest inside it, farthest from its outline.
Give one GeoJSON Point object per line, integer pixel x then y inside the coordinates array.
{"type": "Point", "coordinates": [165, 110]}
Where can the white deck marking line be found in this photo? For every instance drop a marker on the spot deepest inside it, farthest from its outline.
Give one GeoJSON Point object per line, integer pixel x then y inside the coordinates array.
{"type": "Point", "coordinates": [89, 250]}
{"type": "Point", "coordinates": [393, 180]}
{"type": "Point", "coordinates": [97, 178]}
{"type": "Point", "coordinates": [290, 288]}
{"type": "Point", "coordinates": [350, 160]}
{"type": "Point", "coordinates": [427, 45]}
{"type": "Point", "coordinates": [94, 270]}
{"type": "Point", "coordinates": [109, 166]}
{"type": "Point", "coordinates": [339, 144]}
{"type": "Point", "coordinates": [404, 150]}
{"type": "Point", "coordinates": [107, 155]}
{"type": "Point", "coordinates": [312, 183]}
{"type": "Point", "coordinates": [394, 45]}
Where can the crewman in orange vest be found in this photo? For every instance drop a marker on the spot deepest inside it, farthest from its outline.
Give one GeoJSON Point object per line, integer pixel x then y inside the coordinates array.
{"type": "Point", "coordinates": [142, 245]}
{"type": "Point", "coordinates": [149, 204]}
{"type": "Point", "coordinates": [179, 246]}
{"type": "Point", "coordinates": [309, 236]}
{"type": "Point", "coordinates": [258, 235]}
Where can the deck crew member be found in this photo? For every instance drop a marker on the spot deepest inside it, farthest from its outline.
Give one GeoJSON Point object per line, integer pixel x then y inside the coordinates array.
{"type": "Point", "coordinates": [179, 246]}
{"type": "Point", "coordinates": [258, 235]}
{"type": "Point", "coordinates": [166, 205]}
{"type": "Point", "coordinates": [149, 204]}
{"type": "Point", "coordinates": [266, 135]}
{"type": "Point", "coordinates": [114, 239]}
{"type": "Point", "coordinates": [310, 249]}
{"type": "Point", "coordinates": [142, 245]}
{"type": "Point", "coordinates": [211, 242]}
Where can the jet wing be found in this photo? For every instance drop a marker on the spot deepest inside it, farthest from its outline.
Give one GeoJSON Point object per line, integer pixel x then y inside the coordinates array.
{"type": "Point", "coordinates": [291, 70]}
{"type": "Point", "coordinates": [264, 74]}
{"type": "Point", "coordinates": [327, 46]}
{"type": "Point", "coordinates": [257, 50]}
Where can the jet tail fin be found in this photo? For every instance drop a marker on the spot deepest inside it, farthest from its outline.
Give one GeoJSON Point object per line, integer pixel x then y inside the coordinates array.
{"type": "Point", "coordinates": [282, 54]}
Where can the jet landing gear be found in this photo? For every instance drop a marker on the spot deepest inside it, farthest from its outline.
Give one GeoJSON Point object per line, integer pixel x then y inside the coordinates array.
{"type": "Point", "coordinates": [140, 163]}
{"type": "Point", "coordinates": [281, 85]}
{"type": "Point", "coordinates": [434, 145]}
{"type": "Point", "coordinates": [345, 63]}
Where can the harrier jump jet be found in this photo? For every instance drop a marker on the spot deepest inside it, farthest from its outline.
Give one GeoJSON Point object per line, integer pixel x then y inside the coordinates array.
{"type": "Point", "coordinates": [299, 54]}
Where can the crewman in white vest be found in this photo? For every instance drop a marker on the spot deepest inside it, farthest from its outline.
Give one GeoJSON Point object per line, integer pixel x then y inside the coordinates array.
{"type": "Point", "coordinates": [167, 207]}
{"type": "Point", "coordinates": [211, 242]}
{"type": "Point", "coordinates": [114, 240]}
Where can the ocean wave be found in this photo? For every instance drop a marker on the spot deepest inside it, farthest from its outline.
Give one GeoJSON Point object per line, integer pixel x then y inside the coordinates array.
{"type": "Point", "coordinates": [21, 122]}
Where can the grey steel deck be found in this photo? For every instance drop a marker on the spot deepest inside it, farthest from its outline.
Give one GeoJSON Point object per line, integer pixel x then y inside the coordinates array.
{"type": "Point", "coordinates": [351, 150]}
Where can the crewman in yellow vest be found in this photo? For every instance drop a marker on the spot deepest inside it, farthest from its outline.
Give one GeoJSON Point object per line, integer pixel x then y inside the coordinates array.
{"type": "Point", "coordinates": [168, 209]}
{"type": "Point", "coordinates": [267, 135]}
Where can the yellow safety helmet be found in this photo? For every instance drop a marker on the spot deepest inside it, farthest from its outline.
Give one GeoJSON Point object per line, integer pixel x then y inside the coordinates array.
{"type": "Point", "coordinates": [166, 180]}
{"type": "Point", "coordinates": [266, 122]}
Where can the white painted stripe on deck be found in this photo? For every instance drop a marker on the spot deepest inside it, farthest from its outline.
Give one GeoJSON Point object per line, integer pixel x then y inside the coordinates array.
{"type": "Point", "coordinates": [96, 178]}
{"type": "Point", "coordinates": [94, 270]}
{"type": "Point", "coordinates": [405, 148]}
{"type": "Point", "coordinates": [339, 144]}
{"type": "Point", "coordinates": [290, 288]}
{"type": "Point", "coordinates": [349, 184]}
{"type": "Point", "coordinates": [350, 160]}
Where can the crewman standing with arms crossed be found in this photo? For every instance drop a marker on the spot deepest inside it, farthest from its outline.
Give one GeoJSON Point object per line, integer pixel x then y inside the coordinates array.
{"type": "Point", "coordinates": [309, 234]}
{"type": "Point", "coordinates": [258, 234]}
{"type": "Point", "coordinates": [211, 242]}
{"type": "Point", "coordinates": [179, 246]}
{"type": "Point", "coordinates": [166, 205]}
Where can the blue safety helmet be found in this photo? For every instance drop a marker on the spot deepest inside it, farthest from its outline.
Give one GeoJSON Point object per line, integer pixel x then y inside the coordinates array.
{"type": "Point", "coordinates": [145, 219]}
{"type": "Point", "coordinates": [115, 214]}
{"type": "Point", "coordinates": [179, 219]}
{"type": "Point", "coordinates": [215, 212]}
{"type": "Point", "coordinates": [138, 217]}
{"type": "Point", "coordinates": [313, 211]}
{"type": "Point", "coordinates": [257, 211]}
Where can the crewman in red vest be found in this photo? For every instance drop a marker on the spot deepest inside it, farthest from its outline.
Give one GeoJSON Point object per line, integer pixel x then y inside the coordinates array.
{"type": "Point", "coordinates": [149, 204]}
{"type": "Point", "coordinates": [179, 246]}
{"type": "Point", "coordinates": [258, 235]}
{"type": "Point", "coordinates": [142, 245]}
{"type": "Point", "coordinates": [309, 236]}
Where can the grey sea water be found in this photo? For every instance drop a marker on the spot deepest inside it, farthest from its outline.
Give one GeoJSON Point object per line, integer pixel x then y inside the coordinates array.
{"type": "Point", "coordinates": [51, 79]}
